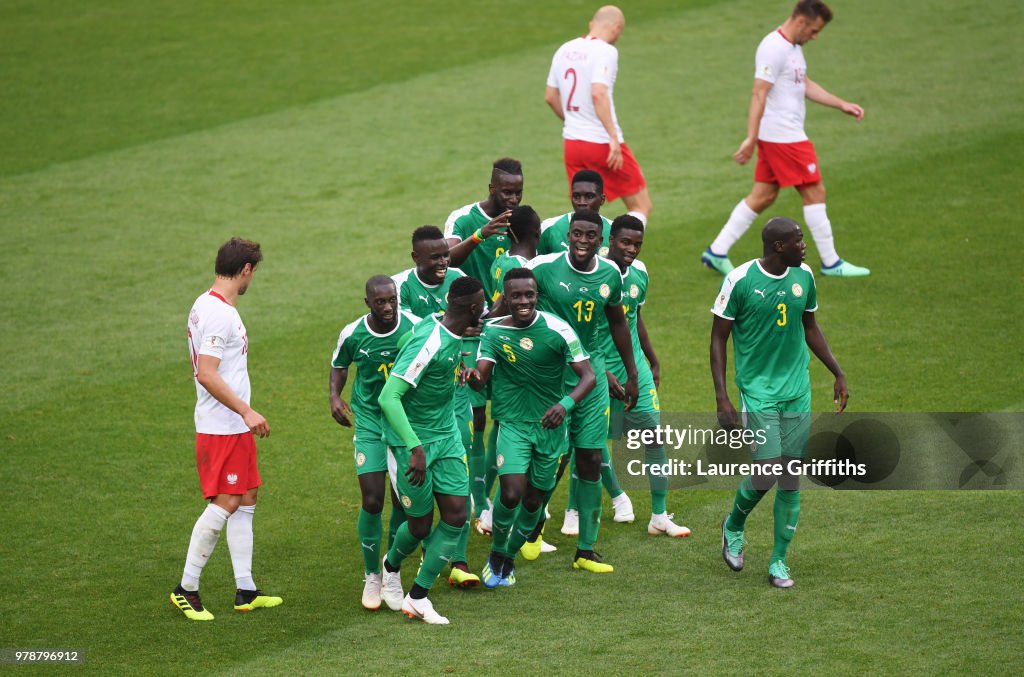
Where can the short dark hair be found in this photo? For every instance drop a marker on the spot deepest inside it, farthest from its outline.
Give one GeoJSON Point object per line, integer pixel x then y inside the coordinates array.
{"type": "Point", "coordinates": [519, 274]}
{"type": "Point", "coordinates": [464, 286]}
{"type": "Point", "coordinates": [813, 9]}
{"type": "Point", "coordinates": [588, 176]}
{"type": "Point", "coordinates": [234, 254]}
{"type": "Point", "coordinates": [586, 215]}
{"type": "Point", "coordinates": [522, 222]}
{"type": "Point", "coordinates": [506, 165]}
{"type": "Point", "coordinates": [626, 222]}
{"type": "Point", "coordinates": [426, 233]}
{"type": "Point", "coordinates": [378, 281]}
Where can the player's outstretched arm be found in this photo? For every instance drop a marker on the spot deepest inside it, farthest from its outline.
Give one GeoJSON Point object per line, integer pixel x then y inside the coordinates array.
{"type": "Point", "coordinates": [624, 344]}
{"type": "Point", "coordinates": [554, 101]}
{"type": "Point", "coordinates": [459, 251]}
{"type": "Point", "coordinates": [728, 418]}
{"type": "Point", "coordinates": [554, 416]}
{"type": "Point", "coordinates": [340, 410]}
{"type": "Point", "coordinates": [210, 378]}
{"type": "Point", "coordinates": [819, 346]}
{"type": "Point", "coordinates": [648, 348]}
{"type": "Point", "coordinates": [754, 114]}
{"type": "Point", "coordinates": [819, 94]}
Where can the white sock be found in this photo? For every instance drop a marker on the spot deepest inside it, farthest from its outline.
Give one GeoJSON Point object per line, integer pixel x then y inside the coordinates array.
{"type": "Point", "coordinates": [205, 534]}
{"type": "Point", "coordinates": [240, 546]}
{"type": "Point", "coordinates": [739, 221]}
{"type": "Point", "coordinates": [821, 229]}
{"type": "Point", "coordinates": [639, 215]}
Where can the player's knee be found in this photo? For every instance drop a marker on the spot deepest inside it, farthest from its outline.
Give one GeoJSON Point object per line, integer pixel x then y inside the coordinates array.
{"type": "Point", "coordinates": [420, 527]}
{"type": "Point", "coordinates": [511, 496]}
{"type": "Point", "coordinates": [228, 502]}
{"type": "Point", "coordinates": [373, 503]}
{"type": "Point", "coordinates": [532, 502]}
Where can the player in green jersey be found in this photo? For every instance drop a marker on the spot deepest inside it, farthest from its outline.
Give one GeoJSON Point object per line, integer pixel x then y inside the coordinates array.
{"type": "Point", "coordinates": [768, 307]}
{"type": "Point", "coordinates": [526, 353]}
{"type": "Point", "coordinates": [423, 289]}
{"type": "Point", "coordinates": [371, 343]}
{"type": "Point", "coordinates": [582, 288]}
{"type": "Point", "coordinates": [627, 237]}
{"type": "Point", "coordinates": [477, 236]}
{"type": "Point", "coordinates": [421, 430]}
{"type": "Point", "coordinates": [586, 193]}
{"type": "Point", "coordinates": [523, 232]}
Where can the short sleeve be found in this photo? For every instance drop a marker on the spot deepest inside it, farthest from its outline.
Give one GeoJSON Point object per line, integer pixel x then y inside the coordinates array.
{"type": "Point", "coordinates": [217, 330]}
{"type": "Point", "coordinates": [812, 296]}
{"type": "Point", "coordinates": [606, 67]}
{"type": "Point", "coordinates": [726, 305]}
{"type": "Point", "coordinates": [769, 62]}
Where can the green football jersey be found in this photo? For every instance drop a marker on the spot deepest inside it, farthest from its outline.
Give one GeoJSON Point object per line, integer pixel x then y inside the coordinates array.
{"type": "Point", "coordinates": [768, 341]}
{"type": "Point", "coordinates": [461, 224]}
{"type": "Point", "coordinates": [579, 298]}
{"type": "Point", "coordinates": [496, 278]}
{"type": "Point", "coordinates": [554, 235]}
{"type": "Point", "coordinates": [529, 365]}
{"type": "Point", "coordinates": [634, 292]}
{"type": "Point", "coordinates": [429, 362]}
{"type": "Point", "coordinates": [374, 355]}
{"type": "Point", "coordinates": [423, 299]}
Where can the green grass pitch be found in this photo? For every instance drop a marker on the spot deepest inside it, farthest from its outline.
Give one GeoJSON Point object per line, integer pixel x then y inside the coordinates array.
{"type": "Point", "coordinates": [136, 137]}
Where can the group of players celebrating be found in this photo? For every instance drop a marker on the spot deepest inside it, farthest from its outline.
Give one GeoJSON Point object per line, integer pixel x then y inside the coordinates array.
{"type": "Point", "coordinates": [551, 339]}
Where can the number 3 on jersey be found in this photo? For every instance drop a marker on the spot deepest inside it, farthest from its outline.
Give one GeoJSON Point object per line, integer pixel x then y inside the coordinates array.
{"type": "Point", "coordinates": [782, 315]}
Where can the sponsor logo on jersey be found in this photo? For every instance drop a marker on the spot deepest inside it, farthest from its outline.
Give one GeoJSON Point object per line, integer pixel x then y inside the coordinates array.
{"type": "Point", "coordinates": [634, 291]}
{"type": "Point", "coordinates": [604, 291]}
{"type": "Point", "coordinates": [360, 459]}
{"type": "Point", "coordinates": [232, 479]}
{"type": "Point", "coordinates": [502, 337]}
{"type": "Point", "coordinates": [566, 285]}
{"type": "Point", "coordinates": [415, 369]}
{"type": "Point", "coordinates": [501, 460]}
{"type": "Point", "coordinates": [761, 292]}
{"type": "Point", "coordinates": [406, 501]}
{"type": "Point", "coordinates": [364, 351]}
{"type": "Point", "coordinates": [423, 298]}
{"type": "Point", "coordinates": [385, 353]}
{"type": "Point", "coordinates": [214, 341]}
{"type": "Point", "coordinates": [798, 291]}
{"type": "Point", "coordinates": [526, 343]}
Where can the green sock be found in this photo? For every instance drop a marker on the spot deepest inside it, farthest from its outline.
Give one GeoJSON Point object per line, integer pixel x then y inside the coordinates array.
{"type": "Point", "coordinates": [460, 546]}
{"type": "Point", "coordinates": [608, 478]}
{"type": "Point", "coordinates": [502, 519]}
{"type": "Point", "coordinates": [477, 473]}
{"type": "Point", "coordinates": [439, 552]}
{"type": "Point", "coordinates": [491, 460]}
{"type": "Point", "coordinates": [370, 527]}
{"type": "Point", "coordinates": [524, 525]}
{"type": "Point", "coordinates": [659, 483]}
{"type": "Point", "coordinates": [746, 498]}
{"type": "Point", "coordinates": [588, 493]}
{"type": "Point", "coordinates": [397, 519]}
{"type": "Point", "coordinates": [787, 513]}
{"type": "Point", "coordinates": [573, 484]}
{"type": "Point", "coordinates": [405, 544]}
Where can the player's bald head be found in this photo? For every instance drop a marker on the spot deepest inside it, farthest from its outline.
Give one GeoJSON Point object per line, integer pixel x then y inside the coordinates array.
{"type": "Point", "coordinates": [378, 283]}
{"type": "Point", "coordinates": [778, 229]}
{"type": "Point", "coordinates": [609, 15]}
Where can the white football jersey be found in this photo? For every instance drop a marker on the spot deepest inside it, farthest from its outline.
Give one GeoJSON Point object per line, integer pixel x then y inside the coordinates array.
{"type": "Point", "coordinates": [215, 329]}
{"type": "Point", "coordinates": [576, 66]}
{"type": "Point", "coordinates": [781, 63]}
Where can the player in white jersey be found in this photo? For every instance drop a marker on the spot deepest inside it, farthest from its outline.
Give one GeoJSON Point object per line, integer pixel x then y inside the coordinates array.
{"type": "Point", "coordinates": [225, 425]}
{"type": "Point", "coordinates": [579, 90]}
{"type": "Point", "coordinates": [785, 156]}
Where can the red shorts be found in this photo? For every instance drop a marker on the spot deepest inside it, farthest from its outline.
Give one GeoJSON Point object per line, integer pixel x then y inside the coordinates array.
{"type": "Point", "coordinates": [787, 164]}
{"type": "Point", "coordinates": [586, 155]}
{"type": "Point", "coordinates": [226, 463]}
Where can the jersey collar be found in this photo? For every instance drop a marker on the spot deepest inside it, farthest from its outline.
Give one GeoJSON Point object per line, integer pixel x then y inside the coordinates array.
{"type": "Point", "coordinates": [217, 295]}
{"type": "Point", "coordinates": [767, 274]}
{"type": "Point", "coordinates": [584, 272]}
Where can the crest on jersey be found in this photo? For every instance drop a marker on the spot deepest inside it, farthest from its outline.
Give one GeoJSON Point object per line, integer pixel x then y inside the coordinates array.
{"type": "Point", "coordinates": [603, 251]}
{"type": "Point", "coordinates": [766, 70]}
{"type": "Point", "coordinates": [500, 460]}
{"type": "Point", "coordinates": [406, 501]}
{"type": "Point", "coordinates": [811, 167]}
{"type": "Point", "coordinates": [214, 341]}
{"type": "Point", "coordinates": [232, 479]}
{"type": "Point", "coordinates": [798, 291]}
{"type": "Point", "coordinates": [634, 291]}
{"type": "Point", "coordinates": [360, 459]}
{"type": "Point", "coordinates": [604, 291]}
{"type": "Point", "coordinates": [526, 343]}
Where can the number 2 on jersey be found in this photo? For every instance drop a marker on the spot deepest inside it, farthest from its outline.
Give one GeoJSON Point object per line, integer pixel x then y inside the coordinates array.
{"type": "Point", "coordinates": [572, 91]}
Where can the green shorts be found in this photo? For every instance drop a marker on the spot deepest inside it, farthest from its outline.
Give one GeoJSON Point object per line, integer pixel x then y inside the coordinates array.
{"type": "Point", "coordinates": [371, 453]}
{"type": "Point", "coordinates": [447, 473]}
{"type": "Point", "coordinates": [785, 426]}
{"type": "Point", "coordinates": [588, 423]}
{"type": "Point", "coordinates": [647, 412]}
{"type": "Point", "coordinates": [526, 448]}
